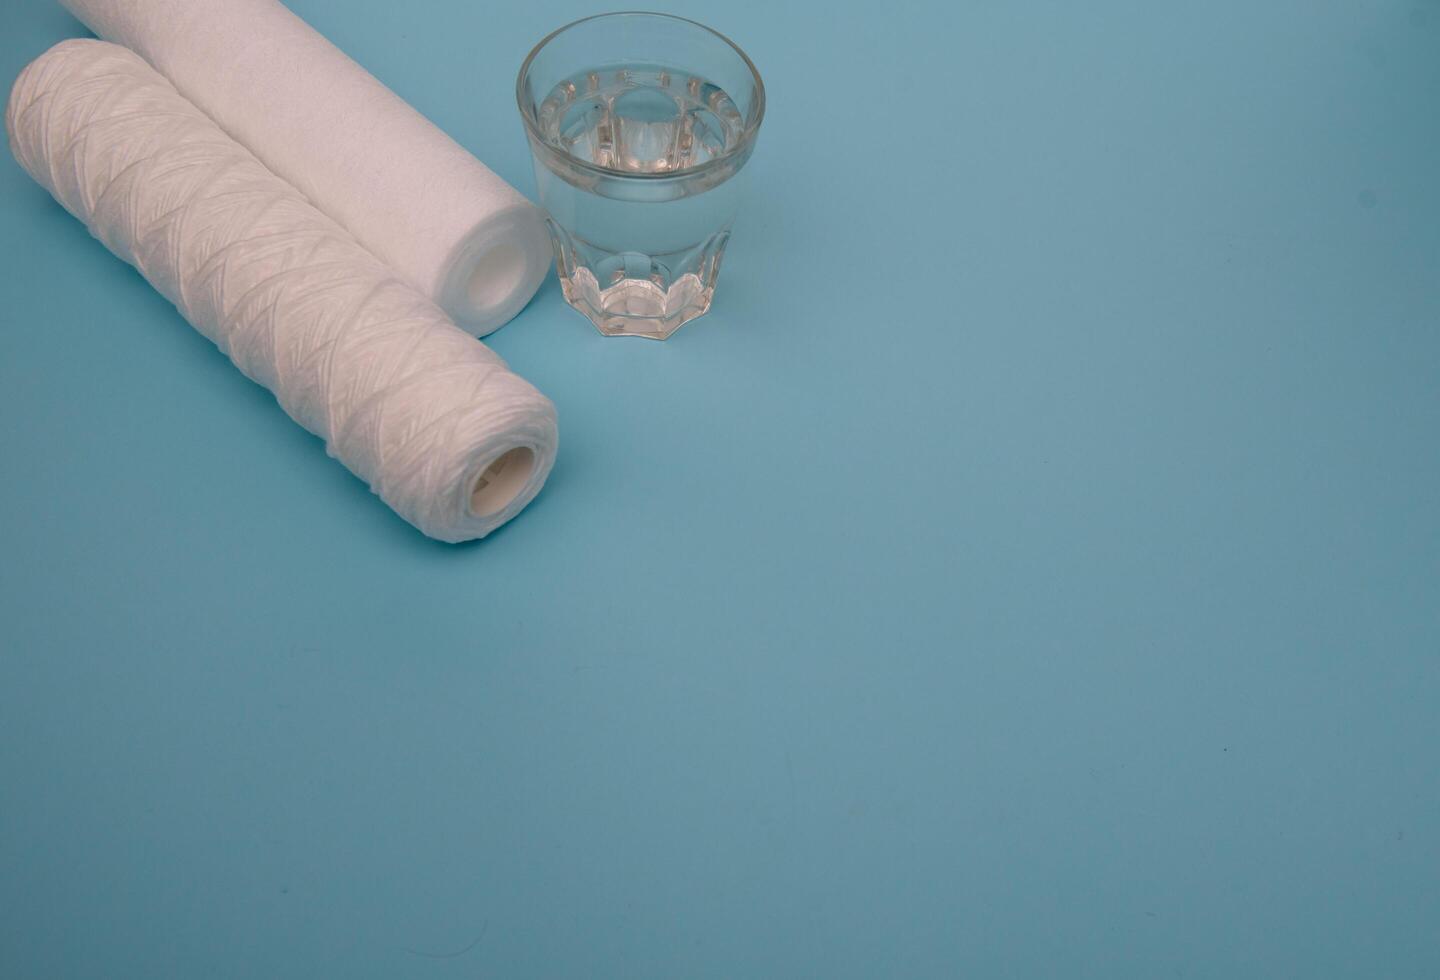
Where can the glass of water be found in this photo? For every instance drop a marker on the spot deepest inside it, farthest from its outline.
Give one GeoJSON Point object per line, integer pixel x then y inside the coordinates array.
{"type": "Point", "coordinates": [639, 124]}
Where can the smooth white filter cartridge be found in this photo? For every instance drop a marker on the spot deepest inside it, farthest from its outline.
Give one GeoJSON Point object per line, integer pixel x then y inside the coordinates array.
{"type": "Point", "coordinates": [403, 188]}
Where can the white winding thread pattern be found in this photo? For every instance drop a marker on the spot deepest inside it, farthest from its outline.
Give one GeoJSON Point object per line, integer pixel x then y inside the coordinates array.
{"type": "Point", "coordinates": [406, 400]}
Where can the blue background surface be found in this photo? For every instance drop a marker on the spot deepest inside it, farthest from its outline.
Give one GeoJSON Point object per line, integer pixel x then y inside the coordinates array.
{"type": "Point", "coordinates": [1031, 568]}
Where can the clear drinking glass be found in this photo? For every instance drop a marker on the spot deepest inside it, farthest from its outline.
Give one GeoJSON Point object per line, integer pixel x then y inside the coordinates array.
{"type": "Point", "coordinates": [639, 124]}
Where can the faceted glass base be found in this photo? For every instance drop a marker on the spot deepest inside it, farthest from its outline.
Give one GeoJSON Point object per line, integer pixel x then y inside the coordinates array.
{"type": "Point", "coordinates": [634, 294]}
{"type": "Point", "coordinates": [636, 307]}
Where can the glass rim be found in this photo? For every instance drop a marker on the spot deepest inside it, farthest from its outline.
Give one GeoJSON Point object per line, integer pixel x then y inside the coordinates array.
{"type": "Point", "coordinates": [747, 136]}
